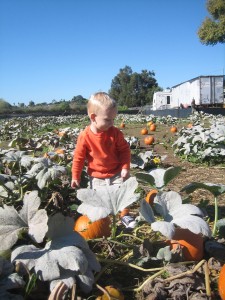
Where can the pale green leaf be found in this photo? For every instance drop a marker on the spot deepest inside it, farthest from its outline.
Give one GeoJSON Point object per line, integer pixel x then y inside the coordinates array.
{"type": "Point", "coordinates": [10, 226]}
{"type": "Point", "coordinates": [108, 199]}
{"type": "Point", "coordinates": [146, 212]}
{"type": "Point", "coordinates": [28, 218]}
{"type": "Point", "coordinates": [167, 229]}
{"type": "Point", "coordinates": [215, 189]}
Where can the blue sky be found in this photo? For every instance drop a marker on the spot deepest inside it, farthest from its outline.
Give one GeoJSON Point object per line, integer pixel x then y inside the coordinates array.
{"type": "Point", "coordinates": [58, 49]}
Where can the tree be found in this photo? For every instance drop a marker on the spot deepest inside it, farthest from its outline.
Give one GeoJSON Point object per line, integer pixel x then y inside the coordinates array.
{"type": "Point", "coordinates": [133, 89]}
{"type": "Point", "coordinates": [79, 100]}
{"type": "Point", "coordinates": [31, 103]}
{"type": "Point", "coordinates": [4, 104]}
{"type": "Point", "coordinates": [212, 30]}
{"type": "Point", "coordinates": [21, 104]}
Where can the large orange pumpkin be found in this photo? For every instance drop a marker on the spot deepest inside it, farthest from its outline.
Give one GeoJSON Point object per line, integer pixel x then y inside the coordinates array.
{"type": "Point", "coordinates": [92, 230]}
{"type": "Point", "coordinates": [192, 244]}
{"type": "Point", "coordinates": [115, 293]}
{"type": "Point", "coordinates": [152, 127]}
{"type": "Point", "coordinates": [149, 140]}
{"type": "Point", "coordinates": [221, 283]}
{"type": "Point", "coordinates": [151, 196]}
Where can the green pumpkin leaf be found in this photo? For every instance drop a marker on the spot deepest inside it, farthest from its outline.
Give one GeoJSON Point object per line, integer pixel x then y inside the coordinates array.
{"type": "Point", "coordinates": [28, 218]}
{"type": "Point", "coordinates": [107, 199]}
{"type": "Point", "coordinates": [65, 257]}
{"type": "Point", "coordinates": [158, 178]}
{"type": "Point", "coordinates": [215, 189]}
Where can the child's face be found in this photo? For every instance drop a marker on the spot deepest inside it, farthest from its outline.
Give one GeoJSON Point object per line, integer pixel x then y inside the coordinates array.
{"type": "Point", "coordinates": [104, 118]}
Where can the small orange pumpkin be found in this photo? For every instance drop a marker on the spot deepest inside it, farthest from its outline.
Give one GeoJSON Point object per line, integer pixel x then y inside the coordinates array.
{"type": "Point", "coordinates": [221, 283]}
{"type": "Point", "coordinates": [92, 230]}
{"type": "Point", "coordinates": [60, 151]}
{"type": "Point", "coordinates": [192, 244]}
{"type": "Point", "coordinates": [173, 129]}
{"type": "Point", "coordinates": [62, 133]}
{"type": "Point", "coordinates": [149, 123]}
{"type": "Point", "coordinates": [144, 131]}
{"type": "Point", "coordinates": [152, 127]}
{"type": "Point", "coordinates": [122, 125]}
{"type": "Point", "coordinates": [151, 196]}
{"type": "Point", "coordinates": [113, 292]}
{"type": "Point", "coordinates": [149, 140]}
{"type": "Point", "coordinates": [124, 212]}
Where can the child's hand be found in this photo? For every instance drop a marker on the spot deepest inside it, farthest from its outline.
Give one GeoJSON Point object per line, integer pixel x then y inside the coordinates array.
{"type": "Point", "coordinates": [125, 173]}
{"type": "Point", "coordinates": [75, 183]}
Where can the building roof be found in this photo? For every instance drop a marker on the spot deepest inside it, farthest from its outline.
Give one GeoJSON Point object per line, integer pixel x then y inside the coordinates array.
{"type": "Point", "coordinates": [201, 76]}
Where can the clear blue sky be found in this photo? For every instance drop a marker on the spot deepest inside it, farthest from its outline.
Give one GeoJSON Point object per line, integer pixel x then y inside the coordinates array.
{"type": "Point", "coordinates": [58, 49]}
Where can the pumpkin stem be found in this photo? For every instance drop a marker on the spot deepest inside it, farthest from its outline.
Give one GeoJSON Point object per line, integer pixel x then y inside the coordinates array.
{"type": "Point", "coordinates": [113, 226]}
{"type": "Point", "coordinates": [215, 217]}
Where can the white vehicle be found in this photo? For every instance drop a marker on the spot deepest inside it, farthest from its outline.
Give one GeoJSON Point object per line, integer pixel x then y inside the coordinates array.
{"type": "Point", "coordinates": [207, 91]}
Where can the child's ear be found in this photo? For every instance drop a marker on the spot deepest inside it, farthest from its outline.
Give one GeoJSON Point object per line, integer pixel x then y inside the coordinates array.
{"type": "Point", "coordinates": [92, 117]}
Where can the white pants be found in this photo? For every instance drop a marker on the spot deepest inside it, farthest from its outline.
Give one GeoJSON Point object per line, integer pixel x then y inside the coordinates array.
{"type": "Point", "coordinates": [99, 182]}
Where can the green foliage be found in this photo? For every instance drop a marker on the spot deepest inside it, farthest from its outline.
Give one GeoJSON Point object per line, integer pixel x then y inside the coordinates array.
{"type": "Point", "coordinates": [4, 105]}
{"type": "Point", "coordinates": [202, 145]}
{"type": "Point", "coordinates": [158, 178]}
{"type": "Point", "coordinates": [212, 30]}
{"type": "Point", "coordinates": [9, 281]}
{"type": "Point", "coordinates": [174, 213]}
{"type": "Point", "coordinates": [133, 89]}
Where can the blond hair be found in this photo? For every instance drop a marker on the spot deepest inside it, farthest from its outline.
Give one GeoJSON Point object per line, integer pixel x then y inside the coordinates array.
{"type": "Point", "coordinates": [100, 100]}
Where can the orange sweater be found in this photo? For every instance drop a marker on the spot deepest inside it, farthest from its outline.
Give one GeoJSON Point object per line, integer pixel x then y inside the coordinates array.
{"type": "Point", "coordinates": [106, 153]}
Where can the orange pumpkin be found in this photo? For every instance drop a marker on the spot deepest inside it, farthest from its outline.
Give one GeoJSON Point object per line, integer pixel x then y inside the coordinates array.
{"type": "Point", "coordinates": [152, 127]}
{"type": "Point", "coordinates": [113, 292]}
{"type": "Point", "coordinates": [173, 129]}
{"type": "Point", "coordinates": [149, 140]}
{"type": "Point", "coordinates": [124, 212]}
{"type": "Point", "coordinates": [60, 151]}
{"type": "Point", "coordinates": [122, 125]}
{"type": "Point", "coordinates": [192, 244]}
{"type": "Point", "coordinates": [149, 123]}
{"type": "Point", "coordinates": [151, 196]}
{"type": "Point", "coordinates": [144, 131]}
{"type": "Point", "coordinates": [92, 230]}
{"type": "Point", "coordinates": [62, 133]}
{"type": "Point", "coordinates": [221, 283]}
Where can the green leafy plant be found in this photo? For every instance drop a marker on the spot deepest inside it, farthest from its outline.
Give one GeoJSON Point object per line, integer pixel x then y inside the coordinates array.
{"type": "Point", "coordinates": [45, 171]}
{"type": "Point", "coordinates": [200, 144]}
{"type": "Point", "coordinates": [26, 170]}
{"type": "Point", "coordinates": [65, 255]}
{"type": "Point", "coordinates": [29, 219]}
{"type": "Point", "coordinates": [9, 280]}
{"type": "Point", "coordinates": [215, 189]}
{"type": "Point", "coordinates": [175, 214]}
{"type": "Point", "coordinates": [158, 178]}
{"type": "Point", "coordinates": [146, 160]}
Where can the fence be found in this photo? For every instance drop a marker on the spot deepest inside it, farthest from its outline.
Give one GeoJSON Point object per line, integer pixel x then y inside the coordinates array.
{"type": "Point", "coordinates": [182, 113]}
